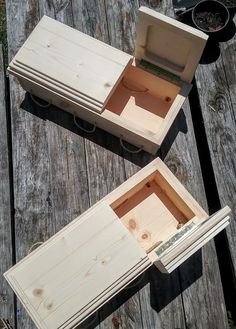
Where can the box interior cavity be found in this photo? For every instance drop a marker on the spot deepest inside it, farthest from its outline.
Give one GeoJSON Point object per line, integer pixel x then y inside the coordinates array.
{"type": "Point", "coordinates": [143, 99]}
{"type": "Point", "coordinates": [152, 211]}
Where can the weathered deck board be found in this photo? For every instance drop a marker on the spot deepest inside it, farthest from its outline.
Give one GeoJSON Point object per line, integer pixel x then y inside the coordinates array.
{"type": "Point", "coordinates": [105, 167]}
{"type": "Point", "coordinates": [50, 181]}
{"type": "Point", "coordinates": [182, 158]}
{"type": "Point", "coordinates": [6, 295]}
{"type": "Point", "coordinates": [218, 104]}
{"type": "Point", "coordinates": [33, 219]}
{"type": "Point", "coordinates": [121, 19]}
{"type": "Point", "coordinates": [202, 268]}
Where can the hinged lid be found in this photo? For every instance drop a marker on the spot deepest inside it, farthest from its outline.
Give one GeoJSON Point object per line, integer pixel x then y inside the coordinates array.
{"type": "Point", "coordinates": [169, 44]}
{"type": "Point", "coordinates": [189, 239]}
{"type": "Point", "coordinates": [78, 269]}
{"type": "Point", "coordinates": [73, 61]}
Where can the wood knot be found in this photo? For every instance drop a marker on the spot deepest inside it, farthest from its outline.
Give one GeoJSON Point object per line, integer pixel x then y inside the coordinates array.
{"type": "Point", "coordinates": [132, 224]}
{"type": "Point", "coordinates": [106, 260]}
{"type": "Point", "coordinates": [146, 236]}
{"type": "Point", "coordinates": [107, 85]}
{"type": "Point", "coordinates": [179, 169]}
{"type": "Point", "coordinates": [49, 306]}
{"type": "Point", "coordinates": [38, 292]}
{"type": "Point", "coordinates": [179, 225]}
{"type": "Point", "coordinates": [115, 322]}
{"type": "Point", "coordinates": [167, 99]}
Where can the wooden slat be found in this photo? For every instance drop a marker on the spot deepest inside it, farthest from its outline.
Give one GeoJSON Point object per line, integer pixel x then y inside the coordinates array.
{"type": "Point", "coordinates": [218, 102]}
{"type": "Point", "coordinates": [202, 268]}
{"type": "Point", "coordinates": [181, 156]}
{"type": "Point", "coordinates": [6, 252]}
{"type": "Point", "coordinates": [105, 167]}
{"type": "Point", "coordinates": [50, 177]}
{"type": "Point", "coordinates": [121, 20]}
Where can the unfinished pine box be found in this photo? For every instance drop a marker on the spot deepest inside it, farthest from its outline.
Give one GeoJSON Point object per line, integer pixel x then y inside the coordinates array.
{"type": "Point", "coordinates": [135, 98]}
{"type": "Point", "coordinates": [149, 219]}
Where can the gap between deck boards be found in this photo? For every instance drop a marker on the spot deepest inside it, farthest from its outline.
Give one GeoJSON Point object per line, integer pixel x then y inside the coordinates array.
{"type": "Point", "coordinates": [213, 200]}
{"type": "Point", "coordinates": [11, 180]}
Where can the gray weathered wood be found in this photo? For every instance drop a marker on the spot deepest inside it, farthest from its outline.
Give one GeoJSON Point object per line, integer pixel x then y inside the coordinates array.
{"type": "Point", "coordinates": [182, 159]}
{"type": "Point", "coordinates": [105, 167]}
{"type": "Point", "coordinates": [6, 295]}
{"type": "Point", "coordinates": [121, 19]}
{"type": "Point", "coordinates": [202, 269]}
{"type": "Point", "coordinates": [216, 84]}
{"type": "Point", "coordinates": [50, 180]}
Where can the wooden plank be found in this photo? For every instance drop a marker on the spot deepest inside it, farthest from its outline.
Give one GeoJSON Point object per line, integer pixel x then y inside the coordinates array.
{"type": "Point", "coordinates": [202, 268]}
{"type": "Point", "coordinates": [105, 167]}
{"type": "Point", "coordinates": [6, 252]}
{"type": "Point", "coordinates": [197, 273]}
{"type": "Point", "coordinates": [180, 153]}
{"type": "Point", "coordinates": [50, 178]}
{"type": "Point", "coordinates": [218, 111]}
{"type": "Point", "coordinates": [122, 30]}
{"type": "Point", "coordinates": [87, 18]}
{"type": "Point", "coordinates": [122, 23]}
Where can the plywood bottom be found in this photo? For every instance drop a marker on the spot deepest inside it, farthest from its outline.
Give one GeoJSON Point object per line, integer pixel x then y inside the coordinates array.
{"type": "Point", "coordinates": [143, 99]}
{"type": "Point", "coordinates": [151, 216]}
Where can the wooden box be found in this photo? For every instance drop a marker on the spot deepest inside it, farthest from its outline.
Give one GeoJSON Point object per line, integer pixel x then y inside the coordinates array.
{"type": "Point", "coordinates": [149, 219]}
{"type": "Point", "coordinates": [135, 98]}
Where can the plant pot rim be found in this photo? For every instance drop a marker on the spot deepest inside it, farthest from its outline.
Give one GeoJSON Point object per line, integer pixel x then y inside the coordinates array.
{"type": "Point", "coordinates": [210, 1]}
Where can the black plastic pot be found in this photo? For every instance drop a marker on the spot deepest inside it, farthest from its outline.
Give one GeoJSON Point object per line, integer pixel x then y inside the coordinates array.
{"type": "Point", "coordinates": [211, 17]}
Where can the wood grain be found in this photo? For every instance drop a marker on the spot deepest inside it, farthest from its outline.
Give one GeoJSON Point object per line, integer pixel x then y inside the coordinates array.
{"type": "Point", "coordinates": [217, 102]}
{"type": "Point", "coordinates": [50, 178]}
{"type": "Point", "coordinates": [99, 256]}
{"type": "Point", "coordinates": [6, 252]}
{"type": "Point", "coordinates": [181, 156]}
{"type": "Point", "coordinates": [60, 171]}
{"type": "Point", "coordinates": [122, 30]}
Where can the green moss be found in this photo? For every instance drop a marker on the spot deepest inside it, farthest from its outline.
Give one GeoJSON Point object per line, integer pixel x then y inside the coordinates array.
{"type": "Point", "coordinates": [3, 30]}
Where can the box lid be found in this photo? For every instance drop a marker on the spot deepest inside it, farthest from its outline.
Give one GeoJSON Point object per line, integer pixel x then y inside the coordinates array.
{"type": "Point", "coordinates": [73, 60]}
{"type": "Point", "coordinates": [76, 271]}
{"type": "Point", "coordinates": [191, 238]}
{"type": "Point", "coordinates": [168, 44]}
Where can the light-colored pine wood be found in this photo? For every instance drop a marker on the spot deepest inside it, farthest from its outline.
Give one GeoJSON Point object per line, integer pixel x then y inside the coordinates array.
{"type": "Point", "coordinates": [73, 59]}
{"type": "Point", "coordinates": [62, 281]}
{"type": "Point", "coordinates": [203, 233]}
{"type": "Point", "coordinates": [168, 43]}
{"type": "Point", "coordinates": [89, 73]}
{"type": "Point", "coordinates": [94, 257]}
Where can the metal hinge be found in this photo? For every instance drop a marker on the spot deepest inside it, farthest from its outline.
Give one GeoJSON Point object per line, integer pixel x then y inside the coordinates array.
{"type": "Point", "coordinates": [156, 70]}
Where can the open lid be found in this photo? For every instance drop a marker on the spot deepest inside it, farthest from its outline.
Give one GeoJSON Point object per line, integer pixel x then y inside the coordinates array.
{"type": "Point", "coordinates": [76, 271]}
{"type": "Point", "coordinates": [189, 239]}
{"type": "Point", "coordinates": [168, 44]}
{"type": "Point", "coordinates": [73, 61]}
